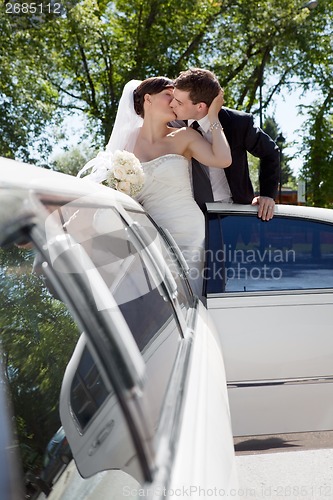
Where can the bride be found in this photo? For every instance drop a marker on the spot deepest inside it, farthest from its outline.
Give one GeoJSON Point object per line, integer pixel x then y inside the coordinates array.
{"type": "Point", "coordinates": [165, 153]}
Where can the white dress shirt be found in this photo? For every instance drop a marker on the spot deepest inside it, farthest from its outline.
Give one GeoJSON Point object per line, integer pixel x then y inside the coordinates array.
{"type": "Point", "coordinates": [218, 179]}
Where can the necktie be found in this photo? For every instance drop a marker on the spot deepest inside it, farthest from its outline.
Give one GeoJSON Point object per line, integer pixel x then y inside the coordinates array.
{"type": "Point", "coordinates": [202, 188]}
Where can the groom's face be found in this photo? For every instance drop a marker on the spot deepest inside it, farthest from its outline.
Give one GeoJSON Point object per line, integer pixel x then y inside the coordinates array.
{"type": "Point", "coordinates": [184, 108]}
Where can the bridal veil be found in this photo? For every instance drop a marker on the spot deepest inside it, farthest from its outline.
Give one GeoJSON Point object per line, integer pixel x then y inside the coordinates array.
{"type": "Point", "coordinates": [123, 137]}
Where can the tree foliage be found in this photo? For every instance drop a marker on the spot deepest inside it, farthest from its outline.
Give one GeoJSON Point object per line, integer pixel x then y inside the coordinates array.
{"type": "Point", "coordinates": [71, 161]}
{"type": "Point", "coordinates": [27, 99]}
{"type": "Point", "coordinates": [318, 167]}
{"type": "Point", "coordinates": [37, 337]}
{"type": "Point", "coordinates": [81, 60]}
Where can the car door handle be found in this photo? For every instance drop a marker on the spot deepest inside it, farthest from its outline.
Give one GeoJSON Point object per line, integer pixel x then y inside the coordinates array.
{"type": "Point", "coordinates": [101, 437]}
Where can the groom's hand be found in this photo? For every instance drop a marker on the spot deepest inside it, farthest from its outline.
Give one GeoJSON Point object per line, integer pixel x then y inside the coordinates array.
{"type": "Point", "coordinates": [265, 207]}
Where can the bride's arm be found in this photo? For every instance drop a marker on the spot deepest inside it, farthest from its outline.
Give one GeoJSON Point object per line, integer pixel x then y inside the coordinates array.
{"type": "Point", "coordinates": [218, 153]}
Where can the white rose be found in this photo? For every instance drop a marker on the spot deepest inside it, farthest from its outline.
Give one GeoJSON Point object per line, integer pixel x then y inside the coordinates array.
{"type": "Point", "coordinates": [132, 178]}
{"type": "Point", "coordinates": [124, 187]}
{"type": "Point", "coordinates": [119, 172]}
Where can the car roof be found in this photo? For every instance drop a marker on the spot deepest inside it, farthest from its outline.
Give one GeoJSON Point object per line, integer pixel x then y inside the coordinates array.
{"type": "Point", "coordinates": [19, 175]}
{"type": "Point", "coordinates": [15, 174]}
{"type": "Point", "coordinates": [300, 211]}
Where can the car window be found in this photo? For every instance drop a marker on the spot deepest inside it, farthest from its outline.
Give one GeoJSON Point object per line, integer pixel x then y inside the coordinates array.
{"type": "Point", "coordinates": [170, 256]}
{"type": "Point", "coordinates": [139, 291]}
{"type": "Point", "coordinates": [247, 254]}
{"type": "Point", "coordinates": [88, 390]}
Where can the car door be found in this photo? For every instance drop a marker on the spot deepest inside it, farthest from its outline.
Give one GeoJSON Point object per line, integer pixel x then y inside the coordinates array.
{"type": "Point", "coordinates": [49, 227]}
{"type": "Point", "coordinates": [179, 350]}
{"type": "Point", "coordinates": [269, 288]}
{"type": "Point", "coordinates": [123, 261]}
{"type": "Point", "coordinates": [145, 389]}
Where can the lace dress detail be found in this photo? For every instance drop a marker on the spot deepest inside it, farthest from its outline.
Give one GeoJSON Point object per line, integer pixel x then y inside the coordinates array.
{"type": "Point", "coordinates": [156, 162]}
{"type": "Point", "coordinates": [167, 197]}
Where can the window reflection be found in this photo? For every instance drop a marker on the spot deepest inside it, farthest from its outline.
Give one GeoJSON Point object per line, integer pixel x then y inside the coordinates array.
{"type": "Point", "coordinates": [139, 292]}
{"type": "Point", "coordinates": [246, 254]}
{"type": "Point", "coordinates": [88, 391]}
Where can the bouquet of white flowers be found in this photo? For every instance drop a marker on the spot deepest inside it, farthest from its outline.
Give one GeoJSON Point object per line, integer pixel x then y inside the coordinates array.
{"type": "Point", "coordinates": [120, 170]}
{"type": "Point", "coordinates": [125, 173]}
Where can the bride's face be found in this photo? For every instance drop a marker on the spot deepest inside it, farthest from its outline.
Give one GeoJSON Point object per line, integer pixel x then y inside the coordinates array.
{"type": "Point", "coordinates": [161, 103]}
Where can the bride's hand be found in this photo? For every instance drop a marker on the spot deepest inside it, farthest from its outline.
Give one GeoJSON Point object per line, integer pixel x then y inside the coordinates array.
{"type": "Point", "coordinates": [215, 107]}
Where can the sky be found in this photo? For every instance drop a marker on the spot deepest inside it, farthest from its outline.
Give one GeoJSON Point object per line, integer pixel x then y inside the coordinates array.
{"type": "Point", "coordinates": [286, 113]}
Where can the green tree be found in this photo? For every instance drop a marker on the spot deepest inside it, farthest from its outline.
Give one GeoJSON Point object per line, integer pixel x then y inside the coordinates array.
{"type": "Point", "coordinates": [71, 161]}
{"type": "Point", "coordinates": [287, 177]}
{"type": "Point", "coordinates": [80, 61]}
{"type": "Point", "coordinates": [27, 100]}
{"type": "Point", "coordinates": [318, 167]}
{"type": "Point", "coordinates": [37, 337]}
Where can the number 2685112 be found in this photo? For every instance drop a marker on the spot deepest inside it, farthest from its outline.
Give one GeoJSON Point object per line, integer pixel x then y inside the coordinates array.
{"type": "Point", "coordinates": [33, 8]}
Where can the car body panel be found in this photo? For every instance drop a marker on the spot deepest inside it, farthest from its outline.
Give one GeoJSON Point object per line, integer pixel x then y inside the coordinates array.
{"type": "Point", "coordinates": [277, 334]}
{"type": "Point", "coordinates": [201, 405]}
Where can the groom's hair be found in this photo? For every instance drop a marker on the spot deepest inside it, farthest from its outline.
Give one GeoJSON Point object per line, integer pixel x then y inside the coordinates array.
{"type": "Point", "coordinates": [153, 85]}
{"type": "Point", "coordinates": [201, 84]}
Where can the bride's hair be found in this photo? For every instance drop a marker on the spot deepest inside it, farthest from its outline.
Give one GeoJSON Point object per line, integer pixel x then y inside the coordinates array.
{"type": "Point", "coordinates": [153, 85]}
{"type": "Point", "coordinates": [127, 124]}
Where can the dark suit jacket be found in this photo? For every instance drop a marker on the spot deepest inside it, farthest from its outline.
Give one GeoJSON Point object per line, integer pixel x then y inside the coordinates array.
{"type": "Point", "coordinates": [243, 136]}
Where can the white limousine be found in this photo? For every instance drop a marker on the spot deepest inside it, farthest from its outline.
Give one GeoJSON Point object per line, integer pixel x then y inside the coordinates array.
{"type": "Point", "coordinates": [145, 389]}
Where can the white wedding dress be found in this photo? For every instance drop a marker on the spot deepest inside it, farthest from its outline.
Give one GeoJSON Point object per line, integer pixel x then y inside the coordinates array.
{"type": "Point", "coordinates": [167, 197]}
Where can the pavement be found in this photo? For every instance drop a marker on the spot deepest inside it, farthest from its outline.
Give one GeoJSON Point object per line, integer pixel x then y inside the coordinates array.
{"type": "Point", "coordinates": [287, 466]}
{"type": "Point", "coordinates": [298, 441]}
{"type": "Point", "coordinates": [290, 466]}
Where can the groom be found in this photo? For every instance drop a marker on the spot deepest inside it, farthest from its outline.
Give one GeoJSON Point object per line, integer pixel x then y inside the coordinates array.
{"type": "Point", "coordinates": [193, 93]}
